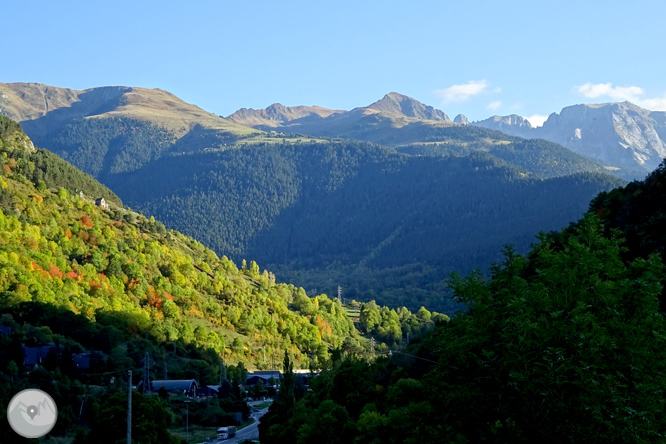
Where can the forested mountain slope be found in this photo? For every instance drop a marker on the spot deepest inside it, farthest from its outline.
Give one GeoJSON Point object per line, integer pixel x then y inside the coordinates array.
{"type": "Point", "coordinates": [567, 341]}
{"type": "Point", "coordinates": [61, 249]}
{"type": "Point", "coordinates": [323, 213]}
{"type": "Point", "coordinates": [542, 158]}
{"type": "Point", "coordinates": [382, 224]}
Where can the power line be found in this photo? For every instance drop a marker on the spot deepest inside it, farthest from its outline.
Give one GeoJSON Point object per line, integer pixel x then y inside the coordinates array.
{"type": "Point", "coordinates": [390, 353]}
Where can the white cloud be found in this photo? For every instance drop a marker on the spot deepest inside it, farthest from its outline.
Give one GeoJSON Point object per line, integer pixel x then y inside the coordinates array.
{"type": "Point", "coordinates": [537, 120]}
{"type": "Point", "coordinates": [460, 93]}
{"type": "Point", "coordinates": [494, 105]}
{"type": "Point", "coordinates": [633, 94]}
{"type": "Point", "coordinates": [656, 104]}
{"type": "Point", "coordinates": [591, 90]}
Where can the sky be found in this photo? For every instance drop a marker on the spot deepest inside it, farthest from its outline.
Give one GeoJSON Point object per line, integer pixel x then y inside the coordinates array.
{"type": "Point", "coordinates": [478, 58]}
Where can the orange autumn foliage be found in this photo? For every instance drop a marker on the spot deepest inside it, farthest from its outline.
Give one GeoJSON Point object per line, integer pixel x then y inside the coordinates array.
{"type": "Point", "coordinates": [86, 222]}
{"type": "Point", "coordinates": [155, 301]}
{"type": "Point", "coordinates": [55, 272]}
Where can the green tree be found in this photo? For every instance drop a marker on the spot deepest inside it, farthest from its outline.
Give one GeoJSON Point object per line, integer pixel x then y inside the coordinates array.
{"type": "Point", "coordinates": [272, 428]}
{"type": "Point", "coordinates": [150, 421]}
{"type": "Point", "coordinates": [569, 343]}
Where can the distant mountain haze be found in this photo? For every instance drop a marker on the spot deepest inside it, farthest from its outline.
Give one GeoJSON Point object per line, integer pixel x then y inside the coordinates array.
{"type": "Point", "coordinates": [278, 115]}
{"type": "Point", "coordinates": [511, 125]}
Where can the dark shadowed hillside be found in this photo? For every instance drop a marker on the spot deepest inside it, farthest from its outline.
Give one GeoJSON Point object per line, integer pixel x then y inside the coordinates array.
{"type": "Point", "coordinates": [382, 224]}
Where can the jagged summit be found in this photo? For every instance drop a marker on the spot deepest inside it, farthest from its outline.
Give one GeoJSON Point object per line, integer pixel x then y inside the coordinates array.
{"type": "Point", "coordinates": [501, 122]}
{"type": "Point", "coordinates": [371, 123]}
{"type": "Point", "coordinates": [461, 119]}
{"type": "Point", "coordinates": [619, 134]}
{"type": "Point", "coordinates": [277, 115]}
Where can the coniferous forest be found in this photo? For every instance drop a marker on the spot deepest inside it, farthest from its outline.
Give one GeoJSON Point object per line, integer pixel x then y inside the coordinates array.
{"type": "Point", "coordinates": [385, 224]}
{"type": "Point", "coordinates": [381, 224]}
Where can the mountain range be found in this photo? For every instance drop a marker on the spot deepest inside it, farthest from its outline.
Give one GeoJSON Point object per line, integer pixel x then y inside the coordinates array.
{"type": "Point", "coordinates": [387, 216]}
{"type": "Point", "coordinates": [627, 140]}
{"type": "Point", "coordinates": [118, 283]}
{"type": "Point", "coordinates": [621, 136]}
{"type": "Point", "coordinates": [395, 119]}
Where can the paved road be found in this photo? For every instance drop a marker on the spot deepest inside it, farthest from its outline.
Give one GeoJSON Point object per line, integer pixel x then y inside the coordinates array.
{"type": "Point", "coordinates": [249, 432]}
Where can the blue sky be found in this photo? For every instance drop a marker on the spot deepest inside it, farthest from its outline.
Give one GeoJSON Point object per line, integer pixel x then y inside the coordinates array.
{"type": "Point", "coordinates": [473, 57]}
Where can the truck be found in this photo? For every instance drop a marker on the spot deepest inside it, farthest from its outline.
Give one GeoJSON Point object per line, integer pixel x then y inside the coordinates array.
{"type": "Point", "coordinates": [226, 432]}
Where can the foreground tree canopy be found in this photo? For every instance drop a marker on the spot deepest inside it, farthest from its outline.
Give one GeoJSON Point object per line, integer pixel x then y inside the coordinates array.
{"type": "Point", "coordinates": [565, 345]}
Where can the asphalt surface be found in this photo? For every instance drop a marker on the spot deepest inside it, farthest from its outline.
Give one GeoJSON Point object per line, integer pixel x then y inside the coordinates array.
{"type": "Point", "coordinates": [249, 432]}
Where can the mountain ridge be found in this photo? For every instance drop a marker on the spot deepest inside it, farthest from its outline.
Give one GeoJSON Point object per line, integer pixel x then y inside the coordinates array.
{"type": "Point", "coordinates": [41, 107]}
{"type": "Point", "coordinates": [618, 134]}
{"type": "Point", "coordinates": [390, 113]}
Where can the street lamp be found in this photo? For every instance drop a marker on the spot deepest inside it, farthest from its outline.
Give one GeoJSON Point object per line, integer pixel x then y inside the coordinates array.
{"type": "Point", "coordinates": [187, 421]}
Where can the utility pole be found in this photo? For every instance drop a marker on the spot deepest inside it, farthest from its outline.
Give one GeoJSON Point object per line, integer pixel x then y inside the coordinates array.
{"type": "Point", "coordinates": [129, 407]}
{"type": "Point", "coordinates": [372, 346]}
{"type": "Point", "coordinates": [340, 294]}
{"type": "Point", "coordinates": [146, 375]}
{"type": "Point", "coordinates": [187, 422]}
{"type": "Point", "coordinates": [165, 368]}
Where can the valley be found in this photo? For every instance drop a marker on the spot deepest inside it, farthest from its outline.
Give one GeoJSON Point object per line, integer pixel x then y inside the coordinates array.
{"type": "Point", "coordinates": [373, 236]}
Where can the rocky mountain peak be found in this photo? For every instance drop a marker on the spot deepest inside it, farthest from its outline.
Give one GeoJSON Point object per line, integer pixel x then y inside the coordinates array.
{"type": "Point", "coordinates": [621, 134]}
{"type": "Point", "coordinates": [461, 119]}
{"type": "Point", "coordinates": [396, 103]}
{"type": "Point", "coordinates": [513, 124]}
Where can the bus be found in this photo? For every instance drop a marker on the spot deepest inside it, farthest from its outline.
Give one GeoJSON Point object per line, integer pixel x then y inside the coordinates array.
{"type": "Point", "coordinates": [226, 432]}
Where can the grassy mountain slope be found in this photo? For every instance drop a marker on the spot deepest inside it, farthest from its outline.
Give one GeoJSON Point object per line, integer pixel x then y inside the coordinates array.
{"type": "Point", "coordinates": [383, 224]}
{"type": "Point", "coordinates": [540, 157]}
{"type": "Point", "coordinates": [47, 108]}
{"type": "Point", "coordinates": [115, 128]}
{"type": "Point", "coordinates": [111, 130]}
{"type": "Point", "coordinates": [203, 182]}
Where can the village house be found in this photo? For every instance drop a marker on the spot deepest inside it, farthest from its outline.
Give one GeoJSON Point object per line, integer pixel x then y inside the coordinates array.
{"type": "Point", "coordinates": [100, 202]}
